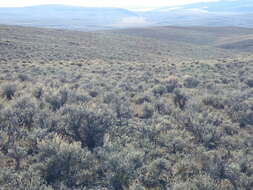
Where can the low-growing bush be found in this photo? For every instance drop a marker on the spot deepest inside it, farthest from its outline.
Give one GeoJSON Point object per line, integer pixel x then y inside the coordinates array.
{"type": "Point", "coordinates": [171, 83]}
{"type": "Point", "coordinates": [159, 90]}
{"type": "Point", "coordinates": [206, 128]}
{"type": "Point", "coordinates": [21, 113]}
{"type": "Point", "coordinates": [163, 106]}
{"type": "Point", "coordinates": [142, 98]}
{"type": "Point", "coordinates": [86, 125]}
{"type": "Point", "coordinates": [57, 100]}
{"type": "Point", "coordinates": [241, 113]}
{"type": "Point", "coordinates": [8, 91]}
{"type": "Point", "coordinates": [180, 99]}
{"type": "Point", "coordinates": [147, 111]}
{"type": "Point", "coordinates": [38, 92]}
{"type": "Point", "coordinates": [157, 174]}
{"type": "Point", "coordinates": [214, 101]}
{"type": "Point", "coordinates": [93, 93]}
{"type": "Point", "coordinates": [67, 163]}
{"type": "Point", "coordinates": [25, 179]}
{"type": "Point", "coordinates": [23, 77]}
{"type": "Point", "coordinates": [190, 82]}
{"type": "Point", "coordinates": [119, 123]}
{"type": "Point", "coordinates": [123, 111]}
{"type": "Point", "coordinates": [249, 82]}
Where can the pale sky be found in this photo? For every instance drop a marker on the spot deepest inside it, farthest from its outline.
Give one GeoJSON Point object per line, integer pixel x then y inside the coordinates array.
{"type": "Point", "coordinates": [133, 4]}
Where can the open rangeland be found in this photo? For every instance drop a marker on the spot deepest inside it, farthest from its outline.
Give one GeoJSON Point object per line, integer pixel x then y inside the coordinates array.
{"type": "Point", "coordinates": [153, 108]}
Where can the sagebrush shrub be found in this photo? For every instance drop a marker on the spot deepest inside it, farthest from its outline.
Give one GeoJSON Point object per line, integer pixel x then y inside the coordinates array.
{"type": "Point", "coordinates": [93, 93]}
{"type": "Point", "coordinates": [57, 100]}
{"type": "Point", "coordinates": [241, 113]}
{"type": "Point", "coordinates": [206, 128]}
{"type": "Point", "coordinates": [156, 174]}
{"type": "Point", "coordinates": [163, 107]}
{"type": "Point", "coordinates": [171, 83]}
{"type": "Point", "coordinates": [123, 162]}
{"type": "Point", "coordinates": [159, 90]}
{"type": "Point", "coordinates": [147, 111]}
{"type": "Point", "coordinates": [8, 91]}
{"type": "Point", "coordinates": [21, 113]}
{"type": "Point", "coordinates": [23, 77]}
{"type": "Point", "coordinates": [214, 101]}
{"type": "Point", "coordinates": [38, 92]}
{"type": "Point", "coordinates": [67, 163]}
{"type": "Point", "coordinates": [249, 82]}
{"type": "Point", "coordinates": [25, 179]}
{"type": "Point", "coordinates": [123, 111]}
{"type": "Point", "coordinates": [86, 125]}
{"type": "Point", "coordinates": [190, 82]}
{"type": "Point", "coordinates": [142, 98]}
{"type": "Point", "coordinates": [180, 99]}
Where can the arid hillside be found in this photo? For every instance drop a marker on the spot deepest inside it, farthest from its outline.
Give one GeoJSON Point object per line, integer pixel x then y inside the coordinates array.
{"type": "Point", "coordinates": [143, 45]}
{"type": "Point", "coordinates": [165, 108]}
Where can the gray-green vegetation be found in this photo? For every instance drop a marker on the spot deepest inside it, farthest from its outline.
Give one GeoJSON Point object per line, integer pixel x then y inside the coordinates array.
{"type": "Point", "coordinates": [94, 118]}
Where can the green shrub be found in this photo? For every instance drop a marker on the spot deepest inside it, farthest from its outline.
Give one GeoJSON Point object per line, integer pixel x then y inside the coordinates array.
{"type": "Point", "coordinates": [159, 90]}
{"type": "Point", "coordinates": [249, 82]}
{"type": "Point", "coordinates": [206, 128]}
{"type": "Point", "coordinates": [147, 111]}
{"type": "Point", "coordinates": [85, 125]}
{"type": "Point", "coordinates": [21, 113]}
{"type": "Point", "coordinates": [214, 101]}
{"type": "Point", "coordinates": [23, 77]}
{"type": "Point", "coordinates": [142, 98]}
{"type": "Point", "coordinates": [109, 98]}
{"type": "Point", "coordinates": [8, 91]}
{"type": "Point", "coordinates": [171, 83]}
{"type": "Point", "coordinates": [122, 111]}
{"type": "Point", "coordinates": [175, 141]}
{"type": "Point", "coordinates": [157, 174]}
{"type": "Point", "coordinates": [190, 82]}
{"type": "Point", "coordinates": [67, 163]}
{"type": "Point", "coordinates": [93, 93]}
{"type": "Point", "coordinates": [123, 163]}
{"type": "Point", "coordinates": [163, 107]}
{"type": "Point", "coordinates": [57, 100]}
{"type": "Point", "coordinates": [180, 99]}
{"type": "Point", "coordinates": [25, 179]}
{"type": "Point", "coordinates": [38, 92]}
{"type": "Point", "coordinates": [241, 113]}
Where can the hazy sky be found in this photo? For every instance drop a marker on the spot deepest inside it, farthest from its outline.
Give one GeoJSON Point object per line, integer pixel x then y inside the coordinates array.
{"type": "Point", "coordinates": [133, 4]}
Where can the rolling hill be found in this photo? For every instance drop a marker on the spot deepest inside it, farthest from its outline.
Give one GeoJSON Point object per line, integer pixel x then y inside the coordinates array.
{"type": "Point", "coordinates": [136, 44]}
{"type": "Point", "coordinates": [218, 13]}
{"type": "Point", "coordinates": [133, 109]}
{"type": "Point", "coordinates": [67, 17]}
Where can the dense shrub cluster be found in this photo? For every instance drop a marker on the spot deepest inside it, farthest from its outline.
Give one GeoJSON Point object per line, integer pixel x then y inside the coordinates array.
{"type": "Point", "coordinates": [119, 125]}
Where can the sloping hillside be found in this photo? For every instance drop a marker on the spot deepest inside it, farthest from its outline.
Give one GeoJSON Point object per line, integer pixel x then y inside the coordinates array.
{"type": "Point", "coordinates": [143, 45]}
{"type": "Point", "coordinates": [117, 111]}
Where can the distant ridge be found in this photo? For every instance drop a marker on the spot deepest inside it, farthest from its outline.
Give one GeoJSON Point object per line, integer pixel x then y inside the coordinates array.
{"type": "Point", "coordinates": [217, 13]}
{"type": "Point", "coordinates": [221, 13]}
{"type": "Point", "coordinates": [66, 17]}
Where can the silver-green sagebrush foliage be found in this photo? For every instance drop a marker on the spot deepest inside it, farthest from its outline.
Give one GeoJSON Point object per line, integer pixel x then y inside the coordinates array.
{"type": "Point", "coordinates": [107, 124]}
